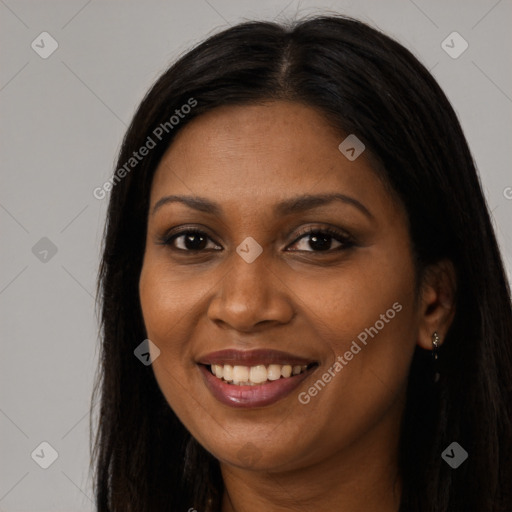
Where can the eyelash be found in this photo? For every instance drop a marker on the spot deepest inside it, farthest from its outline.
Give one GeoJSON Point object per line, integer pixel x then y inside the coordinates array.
{"type": "Point", "coordinates": [346, 241]}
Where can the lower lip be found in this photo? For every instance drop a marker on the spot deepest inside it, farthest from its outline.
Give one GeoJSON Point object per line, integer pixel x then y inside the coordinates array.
{"type": "Point", "coordinates": [258, 395]}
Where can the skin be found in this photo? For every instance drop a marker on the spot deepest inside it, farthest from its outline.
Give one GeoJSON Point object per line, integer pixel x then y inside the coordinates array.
{"type": "Point", "coordinates": [339, 451]}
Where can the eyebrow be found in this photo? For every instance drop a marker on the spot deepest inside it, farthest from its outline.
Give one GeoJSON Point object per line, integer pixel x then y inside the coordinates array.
{"type": "Point", "coordinates": [287, 207]}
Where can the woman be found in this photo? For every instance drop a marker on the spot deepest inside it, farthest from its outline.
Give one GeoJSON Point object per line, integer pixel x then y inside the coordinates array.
{"type": "Point", "coordinates": [303, 301]}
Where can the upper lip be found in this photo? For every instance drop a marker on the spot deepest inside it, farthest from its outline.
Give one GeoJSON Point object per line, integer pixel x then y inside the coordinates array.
{"type": "Point", "coordinates": [253, 357]}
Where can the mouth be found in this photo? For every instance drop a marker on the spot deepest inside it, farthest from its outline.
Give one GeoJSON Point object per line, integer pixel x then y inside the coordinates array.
{"type": "Point", "coordinates": [253, 378]}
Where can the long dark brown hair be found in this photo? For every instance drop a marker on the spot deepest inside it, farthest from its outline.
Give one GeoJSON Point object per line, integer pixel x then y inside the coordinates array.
{"type": "Point", "coordinates": [364, 83]}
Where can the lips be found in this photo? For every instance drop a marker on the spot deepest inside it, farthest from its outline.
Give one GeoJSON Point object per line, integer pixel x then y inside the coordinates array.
{"type": "Point", "coordinates": [253, 378]}
{"type": "Point", "coordinates": [253, 358]}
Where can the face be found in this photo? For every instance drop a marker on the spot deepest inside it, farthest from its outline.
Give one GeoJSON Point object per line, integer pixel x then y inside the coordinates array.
{"type": "Point", "coordinates": [262, 282]}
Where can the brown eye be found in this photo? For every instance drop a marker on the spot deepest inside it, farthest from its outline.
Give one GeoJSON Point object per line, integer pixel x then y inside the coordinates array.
{"type": "Point", "coordinates": [321, 240]}
{"type": "Point", "coordinates": [189, 240]}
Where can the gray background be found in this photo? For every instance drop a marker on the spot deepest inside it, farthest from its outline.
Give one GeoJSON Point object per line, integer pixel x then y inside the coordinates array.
{"type": "Point", "coordinates": [62, 120]}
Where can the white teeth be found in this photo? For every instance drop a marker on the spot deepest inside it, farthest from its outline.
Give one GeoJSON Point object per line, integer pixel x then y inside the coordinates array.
{"type": "Point", "coordinates": [228, 372]}
{"type": "Point", "coordinates": [274, 372]}
{"type": "Point", "coordinates": [258, 374]}
{"type": "Point", "coordinates": [240, 373]}
{"type": "Point", "coordinates": [218, 370]}
{"type": "Point", "coordinates": [253, 375]}
{"type": "Point", "coordinates": [286, 371]}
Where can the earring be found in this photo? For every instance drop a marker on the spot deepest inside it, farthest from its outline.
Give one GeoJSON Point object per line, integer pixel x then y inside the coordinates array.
{"type": "Point", "coordinates": [435, 355]}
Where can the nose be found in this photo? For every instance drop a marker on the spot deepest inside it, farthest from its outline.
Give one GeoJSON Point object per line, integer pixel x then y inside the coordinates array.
{"type": "Point", "coordinates": [251, 296]}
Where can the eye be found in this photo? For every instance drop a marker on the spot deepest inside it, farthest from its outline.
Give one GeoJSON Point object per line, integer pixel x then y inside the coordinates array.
{"type": "Point", "coordinates": [190, 240]}
{"type": "Point", "coordinates": [320, 240]}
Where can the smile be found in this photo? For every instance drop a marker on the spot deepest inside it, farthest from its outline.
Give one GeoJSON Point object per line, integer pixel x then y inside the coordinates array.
{"type": "Point", "coordinates": [266, 377]}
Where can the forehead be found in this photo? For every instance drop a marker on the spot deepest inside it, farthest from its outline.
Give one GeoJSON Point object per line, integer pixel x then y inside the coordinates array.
{"type": "Point", "coordinates": [263, 154]}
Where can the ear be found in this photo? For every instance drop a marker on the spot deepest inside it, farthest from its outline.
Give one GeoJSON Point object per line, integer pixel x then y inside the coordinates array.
{"type": "Point", "coordinates": [437, 302]}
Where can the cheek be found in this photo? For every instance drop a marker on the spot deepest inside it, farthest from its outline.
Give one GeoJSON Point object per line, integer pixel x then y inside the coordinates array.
{"type": "Point", "coordinates": [365, 317]}
{"type": "Point", "coordinates": [165, 312]}
{"type": "Point", "coordinates": [172, 309]}
{"type": "Point", "coordinates": [357, 300]}
{"type": "Point", "coordinates": [168, 302]}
